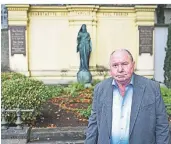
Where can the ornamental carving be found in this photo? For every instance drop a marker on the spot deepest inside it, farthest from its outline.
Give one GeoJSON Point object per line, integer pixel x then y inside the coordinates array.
{"type": "Point", "coordinates": [17, 9]}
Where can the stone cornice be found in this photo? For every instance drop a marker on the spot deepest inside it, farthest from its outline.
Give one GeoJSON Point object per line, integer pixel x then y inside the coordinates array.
{"type": "Point", "coordinates": [84, 12]}
{"type": "Point", "coordinates": [149, 8]}
{"type": "Point", "coordinates": [145, 10]}
{"type": "Point", "coordinates": [48, 9]}
{"type": "Point", "coordinates": [90, 8]}
{"type": "Point", "coordinates": [82, 7]}
{"type": "Point", "coordinates": [144, 19]}
{"type": "Point", "coordinates": [14, 7]}
{"type": "Point", "coordinates": [117, 9]}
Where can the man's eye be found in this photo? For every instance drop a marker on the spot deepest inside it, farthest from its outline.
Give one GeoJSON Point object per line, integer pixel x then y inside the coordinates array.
{"type": "Point", "coordinates": [125, 64]}
{"type": "Point", "coordinates": [114, 65]}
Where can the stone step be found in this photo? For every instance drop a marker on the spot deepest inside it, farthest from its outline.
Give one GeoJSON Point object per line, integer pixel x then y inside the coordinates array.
{"type": "Point", "coordinates": [57, 142]}
{"type": "Point", "coordinates": [60, 134]}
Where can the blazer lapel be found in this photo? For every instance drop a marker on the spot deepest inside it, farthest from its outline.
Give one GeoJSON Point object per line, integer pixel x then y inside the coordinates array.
{"type": "Point", "coordinates": [108, 105]}
{"type": "Point", "coordinates": [138, 93]}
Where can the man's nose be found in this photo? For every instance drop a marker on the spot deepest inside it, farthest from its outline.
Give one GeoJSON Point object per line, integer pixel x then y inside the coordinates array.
{"type": "Point", "coordinates": [120, 68]}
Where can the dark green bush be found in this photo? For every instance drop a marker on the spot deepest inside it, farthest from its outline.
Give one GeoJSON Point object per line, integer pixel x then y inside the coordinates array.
{"type": "Point", "coordinates": [167, 61]}
{"type": "Point", "coordinates": [27, 93]}
{"type": "Point", "coordinates": [166, 94]}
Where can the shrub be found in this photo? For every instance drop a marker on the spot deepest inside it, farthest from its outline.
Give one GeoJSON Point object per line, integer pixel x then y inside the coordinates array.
{"type": "Point", "coordinates": [167, 61]}
{"type": "Point", "coordinates": [166, 94]}
{"type": "Point", "coordinates": [25, 92]}
{"type": "Point", "coordinates": [11, 75]}
{"type": "Point", "coordinates": [55, 91]}
{"type": "Point", "coordinates": [74, 88]}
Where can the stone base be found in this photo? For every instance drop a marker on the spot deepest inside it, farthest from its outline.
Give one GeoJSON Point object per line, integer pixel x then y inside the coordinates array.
{"type": "Point", "coordinates": [14, 136]}
{"type": "Point", "coordinates": [58, 134]}
{"type": "Point", "coordinates": [13, 141]}
{"type": "Point", "coordinates": [84, 77]}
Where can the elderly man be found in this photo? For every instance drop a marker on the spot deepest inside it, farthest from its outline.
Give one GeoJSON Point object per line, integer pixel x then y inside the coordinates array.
{"type": "Point", "coordinates": [127, 108]}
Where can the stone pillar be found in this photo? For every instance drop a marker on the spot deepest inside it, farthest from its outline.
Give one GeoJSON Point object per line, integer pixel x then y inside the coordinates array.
{"type": "Point", "coordinates": [18, 38]}
{"type": "Point", "coordinates": [144, 19]}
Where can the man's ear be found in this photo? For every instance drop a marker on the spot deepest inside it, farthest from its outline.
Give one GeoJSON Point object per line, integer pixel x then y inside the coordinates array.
{"type": "Point", "coordinates": [110, 72]}
{"type": "Point", "coordinates": [133, 63]}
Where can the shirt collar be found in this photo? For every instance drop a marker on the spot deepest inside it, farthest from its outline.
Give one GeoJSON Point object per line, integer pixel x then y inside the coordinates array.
{"type": "Point", "coordinates": [131, 82]}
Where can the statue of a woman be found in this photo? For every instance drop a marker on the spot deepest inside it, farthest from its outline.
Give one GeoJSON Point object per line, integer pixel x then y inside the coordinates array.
{"type": "Point", "coordinates": [84, 47]}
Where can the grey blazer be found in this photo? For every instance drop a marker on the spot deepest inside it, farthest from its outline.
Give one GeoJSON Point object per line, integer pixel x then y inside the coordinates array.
{"type": "Point", "coordinates": [148, 124]}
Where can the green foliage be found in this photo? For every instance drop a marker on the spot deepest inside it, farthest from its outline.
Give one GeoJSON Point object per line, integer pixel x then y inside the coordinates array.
{"type": "Point", "coordinates": [85, 112]}
{"type": "Point", "coordinates": [25, 92]}
{"type": "Point", "coordinates": [96, 81]}
{"type": "Point", "coordinates": [73, 89]}
{"type": "Point", "coordinates": [11, 75]}
{"type": "Point", "coordinates": [167, 61]}
{"type": "Point", "coordinates": [55, 91]}
{"type": "Point", "coordinates": [166, 94]}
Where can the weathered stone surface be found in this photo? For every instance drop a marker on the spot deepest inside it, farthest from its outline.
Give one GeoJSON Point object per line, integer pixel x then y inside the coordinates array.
{"type": "Point", "coordinates": [58, 142]}
{"type": "Point", "coordinates": [4, 50]}
{"type": "Point", "coordinates": [14, 136]}
{"type": "Point", "coordinates": [60, 133]}
{"type": "Point", "coordinates": [13, 141]}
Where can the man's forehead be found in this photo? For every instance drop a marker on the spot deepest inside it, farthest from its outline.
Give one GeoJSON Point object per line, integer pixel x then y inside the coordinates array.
{"type": "Point", "coordinates": [123, 55]}
{"type": "Point", "coordinates": [118, 61]}
{"type": "Point", "coordinates": [119, 53]}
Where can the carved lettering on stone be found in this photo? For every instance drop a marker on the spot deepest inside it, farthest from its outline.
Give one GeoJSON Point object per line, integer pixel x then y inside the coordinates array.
{"type": "Point", "coordinates": [145, 39]}
{"type": "Point", "coordinates": [18, 41]}
{"type": "Point", "coordinates": [60, 14]}
{"type": "Point", "coordinates": [113, 14]}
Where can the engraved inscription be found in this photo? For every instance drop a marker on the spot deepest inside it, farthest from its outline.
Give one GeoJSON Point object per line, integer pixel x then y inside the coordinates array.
{"type": "Point", "coordinates": [59, 14]}
{"type": "Point", "coordinates": [85, 13]}
{"type": "Point", "coordinates": [145, 39]}
{"type": "Point", "coordinates": [113, 14]}
{"type": "Point", "coordinates": [18, 40]}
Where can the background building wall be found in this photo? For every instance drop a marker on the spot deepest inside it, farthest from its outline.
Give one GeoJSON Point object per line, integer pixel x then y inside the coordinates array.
{"type": "Point", "coordinates": [160, 45]}
{"type": "Point", "coordinates": [115, 31]}
{"type": "Point", "coordinates": [51, 38]}
{"type": "Point", "coordinates": [49, 43]}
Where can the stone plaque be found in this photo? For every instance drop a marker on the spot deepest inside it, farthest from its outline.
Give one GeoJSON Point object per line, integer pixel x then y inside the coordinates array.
{"type": "Point", "coordinates": [18, 45]}
{"type": "Point", "coordinates": [145, 39]}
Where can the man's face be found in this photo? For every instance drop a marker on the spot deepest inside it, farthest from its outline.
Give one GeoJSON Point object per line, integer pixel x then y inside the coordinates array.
{"type": "Point", "coordinates": [121, 66]}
